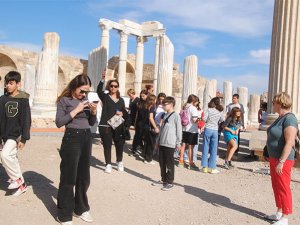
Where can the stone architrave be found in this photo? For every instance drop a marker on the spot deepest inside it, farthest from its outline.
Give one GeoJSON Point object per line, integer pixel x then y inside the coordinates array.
{"type": "Point", "coordinates": [208, 93]}
{"type": "Point", "coordinates": [29, 81]}
{"type": "Point", "coordinates": [227, 92]}
{"type": "Point", "coordinates": [45, 93]}
{"type": "Point", "coordinates": [243, 93]}
{"type": "Point", "coordinates": [165, 69]}
{"type": "Point", "coordinates": [139, 64]}
{"type": "Point", "coordinates": [156, 58]}
{"type": "Point", "coordinates": [254, 108]}
{"type": "Point", "coordinates": [201, 95]}
{"type": "Point", "coordinates": [285, 55]}
{"type": "Point", "coordinates": [123, 62]}
{"type": "Point", "coordinates": [94, 70]}
{"type": "Point", "coordinates": [190, 77]}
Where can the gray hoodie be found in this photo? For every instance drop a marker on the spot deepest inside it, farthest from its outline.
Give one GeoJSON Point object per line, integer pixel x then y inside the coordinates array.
{"type": "Point", "coordinates": [171, 131]}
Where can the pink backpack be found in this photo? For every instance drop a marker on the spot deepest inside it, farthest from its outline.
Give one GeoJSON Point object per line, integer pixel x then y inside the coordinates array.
{"type": "Point", "coordinates": [184, 116]}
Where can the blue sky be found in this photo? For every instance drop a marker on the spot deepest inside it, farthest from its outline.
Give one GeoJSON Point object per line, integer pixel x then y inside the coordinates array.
{"type": "Point", "coordinates": [231, 38]}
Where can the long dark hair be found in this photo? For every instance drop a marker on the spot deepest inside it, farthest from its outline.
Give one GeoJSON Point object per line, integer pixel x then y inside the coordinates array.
{"type": "Point", "coordinates": [108, 87]}
{"type": "Point", "coordinates": [150, 101]}
{"type": "Point", "coordinates": [191, 99]}
{"type": "Point", "coordinates": [76, 82]}
{"type": "Point", "coordinates": [215, 103]}
{"type": "Point", "coordinates": [233, 112]}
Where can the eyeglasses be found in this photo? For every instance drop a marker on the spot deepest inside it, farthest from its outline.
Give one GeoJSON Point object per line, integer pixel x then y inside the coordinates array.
{"type": "Point", "coordinates": [83, 91]}
{"type": "Point", "coordinates": [114, 86]}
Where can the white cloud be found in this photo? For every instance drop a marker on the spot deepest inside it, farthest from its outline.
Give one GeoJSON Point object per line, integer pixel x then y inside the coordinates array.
{"type": "Point", "coordinates": [241, 18]}
{"type": "Point", "coordinates": [24, 45]}
{"type": "Point", "coordinates": [222, 61]}
{"type": "Point", "coordinates": [261, 56]}
{"type": "Point", "coordinates": [256, 83]}
{"type": "Point", "coordinates": [191, 39]}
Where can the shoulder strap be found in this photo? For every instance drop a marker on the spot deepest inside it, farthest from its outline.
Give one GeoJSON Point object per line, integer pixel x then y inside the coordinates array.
{"type": "Point", "coordinates": [165, 120]}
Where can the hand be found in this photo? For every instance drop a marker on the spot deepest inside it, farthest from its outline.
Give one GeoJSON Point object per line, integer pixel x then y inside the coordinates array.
{"type": "Point", "coordinates": [21, 145]}
{"type": "Point", "coordinates": [81, 106]}
{"type": "Point", "coordinates": [119, 113]}
{"type": "Point", "coordinates": [279, 168]}
{"type": "Point", "coordinates": [103, 74]}
{"type": "Point", "coordinates": [93, 107]}
{"type": "Point", "coordinates": [156, 130]}
{"type": "Point", "coordinates": [232, 132]}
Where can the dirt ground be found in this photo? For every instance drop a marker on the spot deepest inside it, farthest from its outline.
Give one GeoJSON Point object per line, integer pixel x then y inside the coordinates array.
{"type": "Point", "coordinates": [237, 196]}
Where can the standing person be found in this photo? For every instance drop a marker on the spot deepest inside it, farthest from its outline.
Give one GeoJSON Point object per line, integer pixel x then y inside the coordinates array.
{"type": "Point", "coordinates": [77, 115]}
{"type": "Point", "coordinates": [15, 122]}
{"type": "Point", "coordinates": [150, 129]}
{"type": "Point", "coordinates": [280, 142]}
{"type": "Point", "coordinates": [189, 113]}
{"type": "Point", "coordinates": [139, 123]}
{"type": "Point", "coordinates": [159, 112]}
{"type": "Point", "coordinates": [150, 88]}
{"type": "Point", "coordinates": [212, 117]}
{"type": "Point", "coordinates": [232, 126]}
{"type": "Point", "coordinates": [132, 105]}
{"type": "Point", "coordinates": [262, 113]}
{"type": "Point", "coordinates": [113, 105]}
{"type": "Point", "coordinates": [169, 138]}
{"type": "Point", "coordinates": [236, 103]}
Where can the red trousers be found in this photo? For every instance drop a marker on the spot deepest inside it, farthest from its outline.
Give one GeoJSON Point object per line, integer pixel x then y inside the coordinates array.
{"type": "Point", "coordinates": [281, 185]}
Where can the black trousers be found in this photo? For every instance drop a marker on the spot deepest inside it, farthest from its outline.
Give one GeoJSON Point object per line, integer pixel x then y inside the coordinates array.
{"type": "Point", "coordinates": [108, 135]}
{"type": "Point", "coordinates": [167, 164]}
{"type": "Point", "coordinates": [149, 144]}
{"type": "Point", "coordinates": [75, 155]}
{"type": "Point", "coordinates": [138, 136]}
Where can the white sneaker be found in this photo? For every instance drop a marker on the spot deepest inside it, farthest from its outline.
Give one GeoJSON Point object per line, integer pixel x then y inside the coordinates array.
{"type": "Point", "coordinates": [213, 171]}
{"type": "Point", "coordinates": [14, 184]}
{"type": "Point", "coordinates": [86, 216]}
{"type": "Point", "coordinates": [150, 163]}
{"type": "Point", "coordinates": [120, 166]}
{"type": "Point", "coordinates": [274, 217]}
{"type": "Point", "coordinates": [108, 168]}
{"type": "Point", "coordinates": [64, 223]}
{"type": "Point", "coordinates": [22, 189]}
{"type": "Point", "coordinates": [282, 221]}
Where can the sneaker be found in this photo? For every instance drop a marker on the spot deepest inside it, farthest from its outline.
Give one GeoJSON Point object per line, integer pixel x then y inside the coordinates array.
{"type": "Point", "coordinates": [274, 217]}
{"type": "Point", "coordinates": [151, 162]}
{"type": "Point", "coordinates": [181, 164]}
{"type": "Point", "coordinates": [14, 184]}
{"type": "Point", "coordinates": [282, 221]}
{"type": "Point", "coordinates": [64, 223]}
{"type": "Point", "coordinates": [192, 166]}
{"type": "Point", "coordinates": [120, 166]}
{"type": "Point", "coordinates": [204, 170]}
{"type": "Point", "coordinates": [230, 165]}
{"type": "Point", "coordinates": [22, 189]}
{"type": "Point", "coordinates": [160, 182]}
{"type": "Point", "coordinates": [86, 216]}
{"type": "Point", "coordinates": [108, 168]}
{"type": "Point", "coordinates": [167, 187]}
{"type": "Point", "coordinates": [226, 165]}
{"type": "Point", "coordinates": [213, 171]}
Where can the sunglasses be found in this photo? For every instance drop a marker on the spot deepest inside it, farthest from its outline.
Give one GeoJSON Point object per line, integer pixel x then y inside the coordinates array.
{"type": "Point", "coordinates": [83, 91]}
{"type": "Point", "coordinates": [114, 86]}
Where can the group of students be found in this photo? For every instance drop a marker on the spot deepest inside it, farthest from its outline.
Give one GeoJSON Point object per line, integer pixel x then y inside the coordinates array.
{"type": "Point", "coordinates": [158, 129]}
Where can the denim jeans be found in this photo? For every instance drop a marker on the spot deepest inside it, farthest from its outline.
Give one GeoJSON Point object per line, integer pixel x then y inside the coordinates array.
{"type": "Point", "coordinates": [210, 145]}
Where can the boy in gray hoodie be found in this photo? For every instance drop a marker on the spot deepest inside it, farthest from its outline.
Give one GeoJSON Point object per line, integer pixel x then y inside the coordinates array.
{"type": "Point", "coordinates": [170, 136]}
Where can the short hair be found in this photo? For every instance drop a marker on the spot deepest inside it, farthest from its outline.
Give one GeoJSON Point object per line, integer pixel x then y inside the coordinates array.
{"type": "Point", "coordinates": [169, 99]}
{"type": "Point", "coordinates": [283, 99]}
{"type": "Point", "coordinates": [12, 76]}
{"type": "Point", "coordinates": [236, 95]}
{"type": "Point", "coordinates": [131, 91]}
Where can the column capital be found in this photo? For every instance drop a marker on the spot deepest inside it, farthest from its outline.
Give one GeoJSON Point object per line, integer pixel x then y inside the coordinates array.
{"type": "Point", "coordinates": [141, 39]}
{"type": "Point", "coordinates": [105, 26]}
{"type": "Point", "coordinates": [123, 35]}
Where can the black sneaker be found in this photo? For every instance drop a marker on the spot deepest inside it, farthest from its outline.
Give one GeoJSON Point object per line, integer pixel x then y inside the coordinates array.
{"type": "Point", "coordinates": [230, 165]}
{"type": "Point", "coordinates": [167, 187]}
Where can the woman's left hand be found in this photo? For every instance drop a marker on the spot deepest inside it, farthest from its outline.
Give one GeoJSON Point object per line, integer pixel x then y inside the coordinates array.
{"type": "Point", "coordinates": [279, 168]}
{"type": "Point", "coordinates": [119, 113]}
{"type": "Point", "coordinates": [93, 107]}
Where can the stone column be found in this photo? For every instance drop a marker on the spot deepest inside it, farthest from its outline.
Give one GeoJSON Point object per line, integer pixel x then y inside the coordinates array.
{"type": "Point", "coordinates": [139, 62]}
{"type": "Point", "coordinates": [104, 47]}
{"type": "Point", "coordinates": [201, 96]}
{"type": "Point", "coordinates": [227, 93]}
{"type": "Point", "coordinates": [190, 73]}
{"type": "Point", "coordinates": [243, 93]}
{"type": "Point", "coordinates": [94, 68]}
{"type": "Point", "coordinates": [215, 87]}
{"type": "Point", "coordinates": [156, 58]}
{"type": "Point", "coordinates": [208, 93]}
{"type": "Point", "coordinates": [47, 74]}
{"type": "Point", "coordinates": [254, 107]}
{"type": "Point", "coordinates": [29, 81]}
{"type": "Point", "coordinates": [122, 62]}
{"type": "Point", "coordinates": [165, 68]}
{"type": "Point", "coordinates": [285, 55]}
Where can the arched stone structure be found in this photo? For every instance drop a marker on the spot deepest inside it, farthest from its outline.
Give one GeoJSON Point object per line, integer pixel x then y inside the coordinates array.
{"type": "Point", "coordinates": [6, 64]}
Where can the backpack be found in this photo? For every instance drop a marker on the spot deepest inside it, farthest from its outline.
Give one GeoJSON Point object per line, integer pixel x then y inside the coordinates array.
{"type": "Point", "coordinates": [297, 146]}
{"type": "Point", "coordinates": [184, 116]}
